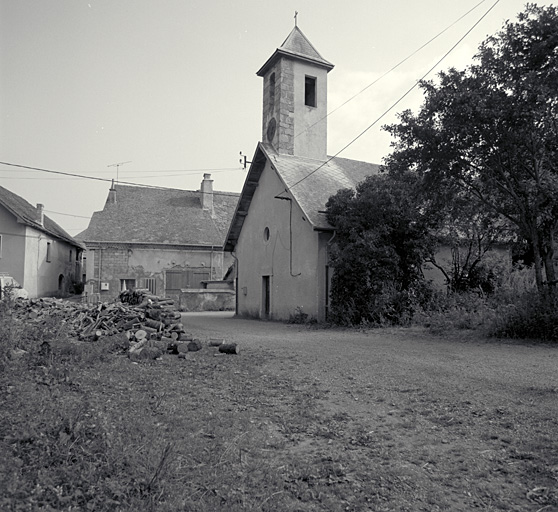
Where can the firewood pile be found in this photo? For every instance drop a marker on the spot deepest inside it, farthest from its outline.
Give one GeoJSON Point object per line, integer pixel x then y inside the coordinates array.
{"type": "Point", "coordinates": [137, 311]}
{"type": "Point", "coordinates": [151, 325]}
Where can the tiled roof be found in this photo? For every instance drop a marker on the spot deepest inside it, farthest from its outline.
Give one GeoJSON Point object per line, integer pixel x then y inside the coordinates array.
{"type": "Point", "coordinates": [27, 214]}
{"type": "Point", "coordinates": [310, 182]}
{"type": "Point", "coordinates": [297, 45]}
{"type": "Point", "coordinates": [313, 182]}
{"type": "Point", "coordinates": [161, 216]}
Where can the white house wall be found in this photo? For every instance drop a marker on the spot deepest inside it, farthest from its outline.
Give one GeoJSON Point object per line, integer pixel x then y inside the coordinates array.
{"type": "Point", "coordinates": [42, 276]}
{"type": "Point", "coordinates": [12, 261]}
{"type": "Point", "coordinates": [294, 282]}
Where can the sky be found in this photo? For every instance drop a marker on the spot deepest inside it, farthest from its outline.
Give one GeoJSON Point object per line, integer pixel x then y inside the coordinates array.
{"type": "Point", "coordinates": [169, 89]}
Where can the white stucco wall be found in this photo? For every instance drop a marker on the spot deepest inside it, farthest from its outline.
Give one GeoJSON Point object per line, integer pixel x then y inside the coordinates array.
{"type": "Point", "coordinates": [294, 282]}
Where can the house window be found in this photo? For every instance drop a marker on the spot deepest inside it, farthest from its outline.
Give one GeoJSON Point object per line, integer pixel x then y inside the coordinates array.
{"type": "Point", "coordinates": [149, 283]}
{"type": "Point", "coordinates": [71, 254]}
{"type": "Point", "coordinates": [310, 91]}
{"type": "Point", "coordinates": [48, 252]}
{"type": "Point", "coordinates": [127, 284]}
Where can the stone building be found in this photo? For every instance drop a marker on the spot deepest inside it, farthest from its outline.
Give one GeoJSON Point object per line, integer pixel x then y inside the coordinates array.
{"type": "Point", "coordinates": [169, 241]}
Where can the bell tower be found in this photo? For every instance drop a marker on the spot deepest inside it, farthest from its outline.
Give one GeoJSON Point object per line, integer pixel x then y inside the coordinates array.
{"type": "Point", "coordinates": [295, 98]}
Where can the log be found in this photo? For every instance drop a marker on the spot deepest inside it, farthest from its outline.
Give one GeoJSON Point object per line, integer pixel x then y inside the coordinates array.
{"type": "Point", "coordinates": [131, 324]}
{"type": "Point", "coordinates": [216, 342]}
{"type": "Point", "coordinates": [229, 348]}
{"type": "Point", "coordinates": [154, 324]}
{"type": "Point", "coordinates": [148, 329]}
{"type": "Point", "coordinates": [194, 346]}
{"type": "Point", "coordinates": [136, 347]}
{"type": "Point", "coordinates": [140, 335]}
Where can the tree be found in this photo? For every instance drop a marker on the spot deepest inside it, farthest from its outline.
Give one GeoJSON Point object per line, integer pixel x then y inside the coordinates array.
{"type": "Point", "coordinates": [472, 232]}
{"type": "Point", "coordinates": [380, 244]}
{"type": "Point", "coordinates": [490, 132]}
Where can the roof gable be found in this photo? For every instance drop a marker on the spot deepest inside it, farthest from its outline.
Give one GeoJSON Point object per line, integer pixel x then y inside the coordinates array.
{"type": "Point", "coordinates": [310, 182]}
{"type": "Point", "coordinates": [27, 214]}
{"type": "Point", "coordinates": [161, 216]}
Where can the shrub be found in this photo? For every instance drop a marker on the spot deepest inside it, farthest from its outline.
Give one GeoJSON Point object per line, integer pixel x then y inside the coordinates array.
{"type": "Point", "coordinates": [533, 315]}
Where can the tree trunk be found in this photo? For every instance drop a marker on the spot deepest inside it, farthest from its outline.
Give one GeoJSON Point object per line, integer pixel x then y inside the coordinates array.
{"type": "Point", "coordinates": [548, 260]}
{"type": "Point", "coordinates": [538, 259]}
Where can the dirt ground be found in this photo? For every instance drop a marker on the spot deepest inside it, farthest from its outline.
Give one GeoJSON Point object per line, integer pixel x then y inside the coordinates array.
{"type": "Point", "coordinates": [458, 422]}
{"type": "Point", "coordinates": [303, 419]}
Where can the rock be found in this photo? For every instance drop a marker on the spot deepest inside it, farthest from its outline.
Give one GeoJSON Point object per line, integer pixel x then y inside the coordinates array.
{"type": "Point", "coordinates": [18, 353]}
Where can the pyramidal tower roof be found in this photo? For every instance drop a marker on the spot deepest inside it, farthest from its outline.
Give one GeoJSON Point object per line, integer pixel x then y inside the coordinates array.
{"type": "Point", "coordinates": [297, 46]}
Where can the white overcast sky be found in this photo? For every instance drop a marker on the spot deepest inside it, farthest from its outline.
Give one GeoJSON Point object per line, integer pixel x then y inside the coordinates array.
{"type": "Point", "coordinates": [170, 85]}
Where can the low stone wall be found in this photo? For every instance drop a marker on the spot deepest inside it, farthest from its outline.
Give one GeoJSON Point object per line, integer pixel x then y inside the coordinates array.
{"type": "Point", "coordinates": [206, 300]}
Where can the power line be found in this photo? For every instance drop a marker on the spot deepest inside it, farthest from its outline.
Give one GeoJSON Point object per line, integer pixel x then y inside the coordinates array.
{"type": "Point", "coordinates": [193, 171]}
{"type": "Point", "coordinates": [213, 171]}
{"type": "Point", "coordinates": [392, 69]}
{"type": "Point", "coordinates": [109, 180]}
{"type": "Point", "coordinates": [414, 86]}
{"type": "Point", "coordinates": [68, 214]}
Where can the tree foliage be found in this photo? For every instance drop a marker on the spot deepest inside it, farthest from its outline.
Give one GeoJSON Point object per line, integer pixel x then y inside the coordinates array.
{"type": "Point", "coordinates": [380, 244]}
{"type": "Point", "coordinates": [472, 232]}
{"type": "Point", "coordinates": [489, 133]}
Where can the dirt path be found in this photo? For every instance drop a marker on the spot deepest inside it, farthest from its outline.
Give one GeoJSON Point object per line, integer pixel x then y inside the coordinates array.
{"type": "Point", "coordinates": [403, 358]}
{"type": "Point", "coordinates": [463, 422]}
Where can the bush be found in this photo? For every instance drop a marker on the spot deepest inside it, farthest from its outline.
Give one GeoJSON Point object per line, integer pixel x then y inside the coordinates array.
{"type": "Point", "coordinates": [446, 312]}
{"type": "Point", "coordinates": [388, 307]}
{"type": "Point", "coordinates": [532, 316]}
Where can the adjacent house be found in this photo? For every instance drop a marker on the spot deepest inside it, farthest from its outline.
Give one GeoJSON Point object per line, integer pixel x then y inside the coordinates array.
{"type": "Point", "coordinates": [166, 240]}
{"type": "Point", "coordinates": [35, 251]}
{"type": "Point", "coordinates": [279, 234]}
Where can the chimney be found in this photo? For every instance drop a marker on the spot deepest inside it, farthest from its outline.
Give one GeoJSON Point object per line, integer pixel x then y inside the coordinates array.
{"type": "Point", "coordinates": [207, 193]}
{"type": "Point", "coordinates": [41, 214]}
{"type": "Point", "coordinates": [111, 199]}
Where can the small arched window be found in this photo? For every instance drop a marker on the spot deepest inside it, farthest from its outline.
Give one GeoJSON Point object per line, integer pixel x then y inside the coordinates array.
{"type": "Point", "coordinates": [272, 91]}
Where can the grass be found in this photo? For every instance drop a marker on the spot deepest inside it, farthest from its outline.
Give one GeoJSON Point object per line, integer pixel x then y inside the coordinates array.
{"type": "Point", "coordinates": [87, 429]}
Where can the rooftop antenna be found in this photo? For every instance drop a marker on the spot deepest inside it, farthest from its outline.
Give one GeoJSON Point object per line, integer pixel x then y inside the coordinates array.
{"type": "Point", "coordinates": [118, 167]}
